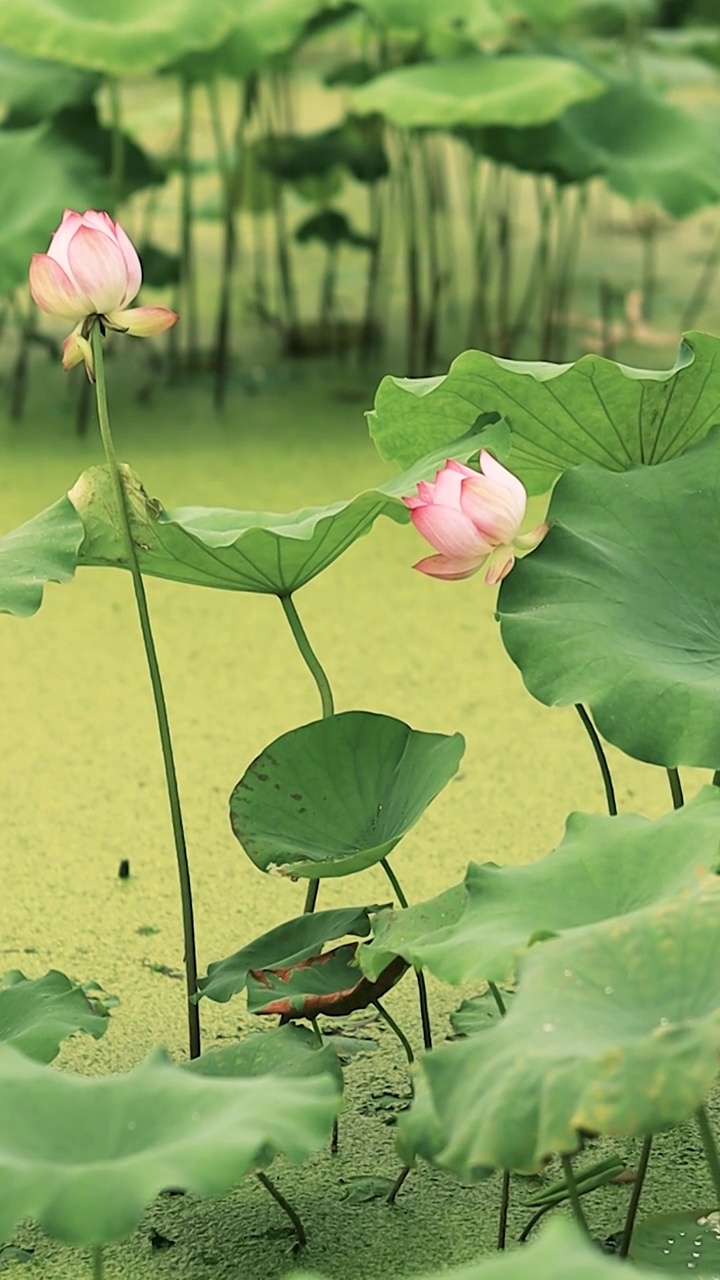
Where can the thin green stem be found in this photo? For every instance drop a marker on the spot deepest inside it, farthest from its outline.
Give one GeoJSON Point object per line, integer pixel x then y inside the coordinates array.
{"type": "Point", "coordinates": [495, 992]}
{"type": "Point", "coordinates": [710, 1149]}
{"type": "Point", "coordinates": [158, 696]}
{"type": "Point", "coordinates": [574, 1195]}
{"type": "Point", "coordinates": [117, 145]}
{"type": "Point", "coordinates": [278, 1197]}
{"type": "Point", "coordinates": [532, 1223]}
{"type": "Point", "coordinates": [676, 790]}
{"type": "Point", "coordinates": [398, 1031]}
{"type": "Point", "coordinates": [397, 1184]}
{"type": "Point", "coordinates": [597, 747]}
{"type": "Point", "coordinates": [635, 1197]}
{"type": "Point", "coordinates": [504, 1206]}
{"type": "Point", "coordinates": [419, 975]}
{"type": "Point", "coordinates": [97, 1262]}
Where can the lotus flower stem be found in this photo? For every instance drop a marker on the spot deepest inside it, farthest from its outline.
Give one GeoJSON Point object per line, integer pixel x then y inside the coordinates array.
{"type": "Point", "coordinates": [574, 1195]}
{"type": "Point", "coordinates": [419, 975]}
{"type": "Point", "coordinates": [97, 1261]}
{"type": "Point", "coordinates": [300, 1236]}
{"type": "Point", "coordinates": [597, 747]}
{"type": "Point", "coordinates": [326, 698]}
{"type": "Point", "coordinates": [676, 790]}
{"type": "Point", "coordinates": [711, 1151]}
{"type": "Point", "coordinates": [504, 1206]}
{"type": "Point", "coordinates": [158, 696]}
{"type": "Point", "coordinates": [635, 1197]}
{"type": "Point", "coordinates": [398, 1031]}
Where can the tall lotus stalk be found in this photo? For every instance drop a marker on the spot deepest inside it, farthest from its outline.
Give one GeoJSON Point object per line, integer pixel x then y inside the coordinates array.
{"type": "Point", "coordinates": [89, 275]}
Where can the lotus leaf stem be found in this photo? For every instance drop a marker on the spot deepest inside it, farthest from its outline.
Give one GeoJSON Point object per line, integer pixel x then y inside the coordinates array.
{"type": "Point", "coordinates": [419, 975]}
{"type": "Point", "coordinates": [158, 696]}
{"type": "Point", "coordinates": [529, 1226]}
{"type": "Point", "coordinates": [504, 1206]}
{"type": "Point", "coordinates": [597, 747]}
{"type": "Point", "coordinates": [397, 1030]}
{"type": "Point", "coordinates": [635, 1197]}
{"type": "Point", "coordinates": [574, 1195]}
{"type": "Point", "coordinates": [97, 1262]}
{"type": "Point", "coordinates": [710, 1148]}
{"type": "Point", "coordinates": [676, 790]}
{"type": "Point", "coordinates": [495, 992]}
{"type": "Point", "coordinates": [398, 1183]}
{"type": "Point", "coordinates": [278, 1197]}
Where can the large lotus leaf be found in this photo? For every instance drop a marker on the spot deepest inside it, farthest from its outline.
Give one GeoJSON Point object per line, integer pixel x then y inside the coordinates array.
{"type": "Point", "coordinates": [335, 796]}
{"type": "Point", "coordinates": [284, 946]}
{"type": "Point", "coordinates": [560, 1253]}
{"type": "Point", "coordinates": [43, 550]}
{"type": "Point", "coordinates": [516, 89]}
{"type": "Point", "coordinates": [561, 415]}
{"type": "Point", "coordinates": [38, 88]}
{"type": "Point", "coordinates": [620, 606]}
{"type": "Point", "coordinates": [545, 148]}
{"type": "Point", "coordinates": [39, 176]}
{"type": "Point", "coordinates": [649, 148]}
{"type": "Point", "coordinates": [679, 1242]}
{"type": "Point", "coordinates": [37, 1014]}
{"type": "Point", "coordinates": [261, 30]}
{"type": "Point", "coordinates": [85, 1156]}
{"type": "Point", "coordinates": [604, 867]}
{"type": "Point", "coordinates": [482, 20]}
{"type": "Point", "coordinates": [330, 983]}
{"type": "Point", "coordinates": [131, 38]}
{"type": "Point", "coordinates": [615, 1029]}
{"type": "Point", "coordinates": [253, 551]}
{"type": "Point", "coordinates": [281, 1051]}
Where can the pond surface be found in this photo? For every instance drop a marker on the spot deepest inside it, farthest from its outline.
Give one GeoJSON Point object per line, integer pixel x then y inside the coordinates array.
{"type": "Point", "coordinates": [81, 789]}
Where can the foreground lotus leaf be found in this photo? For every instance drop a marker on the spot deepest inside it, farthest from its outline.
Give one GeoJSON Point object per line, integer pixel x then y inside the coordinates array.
{"type": "Point", "coordinates": [282, 1051]}
{"type": "Point", "coordinates": [37, 1014]}
{"type": "Point", "coordinates": [84, 1156]}
{"type": "Point", "coordinates": [43, 550]}
{"type": "Point", "coordinates": [604, 867]}
{"type": "Point", "coordinates": [335, 796]}
{"type": "Point", "coordinates": [562, 415]}
{"type": "Point", "coordinates": [615, 1029]}
{"type": "Point", "coordinates": [286, 945]}
{"type": "Point", "coordinates": [619, 608]}
{"type": "Point", "coordinates": [330, 983]}
{"type": "Point", "coordinates": [560, 1253]}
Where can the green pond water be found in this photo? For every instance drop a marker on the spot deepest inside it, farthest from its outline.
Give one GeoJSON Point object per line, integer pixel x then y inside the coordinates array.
{"type": "Point", "coordinates": [81, 788]}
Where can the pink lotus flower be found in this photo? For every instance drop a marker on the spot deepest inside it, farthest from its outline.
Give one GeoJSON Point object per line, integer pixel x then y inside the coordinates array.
{"type": "Point", "coordinates": [91, 272]}
{"type": "Point", "coordinates": [472, 519]}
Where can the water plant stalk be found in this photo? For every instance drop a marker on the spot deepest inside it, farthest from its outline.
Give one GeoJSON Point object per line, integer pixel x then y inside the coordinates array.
{"type": "Point", "coordinates": [676, 790]}
{"type": "Point", "coordinates": [495, 992]}
{"type": "Point", "coordinates": [574, 1195]}
{"type": "Point", "coordinates": [710, 1149]}
{"type": "Point", "coordinates": [158, 696]}
{"type": "Point", "coordinates": [187, 247]}
{"type": "Point", "coordinates": [97, 1262]}
{"type": "Point", "coordinates": [504, 1206]}
{"type": "Point", "coordinates": [293, 1215]}
{"type": "Point", "coordinates": [597, 747]}
{"type": "Point", "coordinates": [419, 975]}
{"type": "Point", "coordinates": [635, 1197]}
{"type": "Point", "coordinates": [397, 1030]}
{"type": "Point", "coordinates": [398, 1183]}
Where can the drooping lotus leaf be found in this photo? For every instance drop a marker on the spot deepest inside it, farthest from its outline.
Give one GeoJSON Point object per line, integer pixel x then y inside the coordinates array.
{"type": "Point", "coordinates": [332, 228]}
{"type": "Point", "coordinates": [252, 551]}
{"type": "Point", "coordinates": [261, 29]}
{"type": "Point", "coordinates": [281, 1051]}
{"type": "Point", "coordinates": [128, 39]}
{"type": "Point", "coordinates": [284, 946]}
{"type": "Point", "coordinates": [330, 983]}
{"type": "Point", "coordinates": [544, 148]}
{"type": "Point", "coordinates": [604, 867]}
{"type": "Point", "coordinates": [615, 1029]}
{"type": "Point", "coordinates": [37, 1014]}
{"type": "Point", "coordinates": [45, 549]}
{"type": "Point", "coordinates": [335, 796]}
{"type": "Point", "coordinates": [620, 606]}
{"type": "Point", "coordinates": [679, 1242]}
{"type": "Point", "coordinates": [515, 89]}
{"type": "Point", "coordinates": [84, 1156]}
{"type": "Point", "coordinates": [38, 88]}
{"type": "Point", "coordinates": [560, 1253]}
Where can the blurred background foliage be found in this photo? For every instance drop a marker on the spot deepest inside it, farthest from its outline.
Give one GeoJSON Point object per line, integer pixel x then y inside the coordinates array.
{"type": "Point", "coordinates": [378, 181]}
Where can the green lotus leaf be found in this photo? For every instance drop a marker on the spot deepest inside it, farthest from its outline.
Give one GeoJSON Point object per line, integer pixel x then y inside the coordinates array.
{"type": "Point", "coordinates": [615, 1029]}
{"type": "Point", "coordinates": [335, 796]}
{"type": "Point", "coordinates": [620, 606]}
{"type": "Point", "coordinates": [290, 1051]}
{"type": "Point", "coordinates": [330, 983]}
{"type": "Point", "coordinates": [129, 39]}
{"type": "Point", "coordinates": [252, 551]}
{"type": "Point", "coordinates": [516, 89]}
{"type": "Point", "coordinates": [84, 1156]}
{"type": "Point", "coordinates": [282, 947]}
{"type": "Point", "coordinates": [37, 1014]}
{"type": "Point", "coordinates": [678, 1242]}
{"type": "Point", "coordinates": [560, 1253]}
{"type": "Point", "coordinates": [604, 867]}
{"type": "Point", "coordinates": [43, 550]}
{"type": "Point", "coordinates": [562, 415]}
{"type": "Point", "coordinates": [37, 88]}
{"type": "Point", "coordinates": [477, 1013]}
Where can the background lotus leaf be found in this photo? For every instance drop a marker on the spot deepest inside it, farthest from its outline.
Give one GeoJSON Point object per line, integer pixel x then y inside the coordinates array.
{"type": "Point", "coordinates": [604, 867]}
{"type": "Point", "coordinates": [515, 89]}
{"type": "Point", "coordinates": [615, 1029]}
{"type": "Point", "coordinates": [288, 943]}
{"type": "Point", "coordinates": [330, 983]}
{"type": "Point", "coordinates": [561, 415]}
{"type": "Point", "coordinates": [290, 1050]}
{"type": "Point", "coordinates": [620, 606]}
{"type": "Point", "coordinates": [335, 796]}
{"type": "Point", "coordinates": [84, 1156]}
{"type": "Point", "coordinates": [37, 1014]}
{"type": "Point", "coordinates": [38, 88]}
